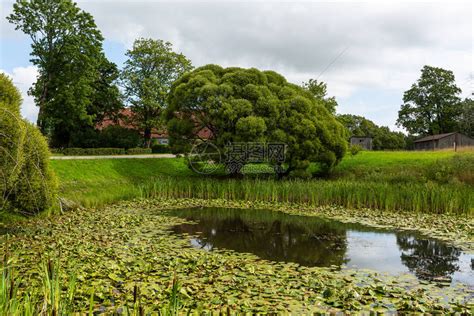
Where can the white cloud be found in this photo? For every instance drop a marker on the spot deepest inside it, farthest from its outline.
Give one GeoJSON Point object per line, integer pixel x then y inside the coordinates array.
{"type": "Point", "coordinates": [23, 78]}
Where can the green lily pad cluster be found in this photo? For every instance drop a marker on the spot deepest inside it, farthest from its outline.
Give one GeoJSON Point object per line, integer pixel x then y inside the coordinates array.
{"type": "Point", "coordinates": [121, 250]}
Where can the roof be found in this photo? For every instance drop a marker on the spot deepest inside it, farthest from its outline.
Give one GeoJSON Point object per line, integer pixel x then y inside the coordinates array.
{"type": "Point", "coordinates": [126, 120]}
{"type": "Point", "coordinates": [434, 137]}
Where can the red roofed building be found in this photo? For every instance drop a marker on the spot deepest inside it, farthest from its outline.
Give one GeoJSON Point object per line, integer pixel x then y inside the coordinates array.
{"type": "Point", "coordinates": [125, 118]}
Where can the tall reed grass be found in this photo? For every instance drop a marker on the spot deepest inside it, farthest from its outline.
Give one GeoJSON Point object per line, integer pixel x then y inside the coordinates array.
{"type": "Point", "coordinates": [411, 197]}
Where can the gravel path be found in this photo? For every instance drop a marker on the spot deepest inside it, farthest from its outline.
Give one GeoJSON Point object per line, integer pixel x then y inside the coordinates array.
{"type": "Point", "coordinates": [114, 157]}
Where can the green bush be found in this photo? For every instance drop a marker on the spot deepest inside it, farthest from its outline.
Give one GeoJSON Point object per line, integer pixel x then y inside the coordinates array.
{"type": "Point", "coordinates": [36, 186]}
{"type": "Point", "coordinates": [355, 149]}
{"type": "Point", "coordinates": [160, 149]}
{"type": "Point", "coordinates": [93, 151]}
{"type": "Point", "coordinates": [27, 184]}
{"type": "Point", "coordinates": [138, 151]}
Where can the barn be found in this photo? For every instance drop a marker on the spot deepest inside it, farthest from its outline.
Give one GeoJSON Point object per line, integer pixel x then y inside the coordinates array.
{"type": "Point", "coordinates": [363, 141]}
{"type": "Point", "coordinates": [443, 141]}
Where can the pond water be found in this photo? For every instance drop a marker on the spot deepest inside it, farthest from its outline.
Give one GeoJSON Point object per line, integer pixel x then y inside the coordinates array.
{"type": "Point", "coordinates": [312, 241]}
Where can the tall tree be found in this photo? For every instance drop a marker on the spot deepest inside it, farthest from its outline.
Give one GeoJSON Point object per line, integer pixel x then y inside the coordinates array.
{"type": "Point", "coordinates": [466, 120]}
{"type": "Point", "coordinates": [432, 104]}
{"type": "Point", "coordinates": [319, 91]}
{"type": "Point", "coordinates": [151, 68]}
{"type": "Point", "coordinates": [67, 49]}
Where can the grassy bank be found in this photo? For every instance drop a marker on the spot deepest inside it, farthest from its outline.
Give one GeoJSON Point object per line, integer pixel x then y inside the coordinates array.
{"type": "Point", "coordinates": [432, 182]}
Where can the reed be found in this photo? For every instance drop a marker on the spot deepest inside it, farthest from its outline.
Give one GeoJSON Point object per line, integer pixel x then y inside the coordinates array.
{"type": "Point", "coordinates": [427, 197]}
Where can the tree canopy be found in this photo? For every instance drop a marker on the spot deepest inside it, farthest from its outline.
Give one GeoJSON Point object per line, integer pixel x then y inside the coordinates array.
{"type": "Point", "coordinates": [382, 137]}
{"type": "Point", "coordinates": [75, 83]}
{"type": "Point", "coordinates": [319, 91]}
{"type": "Point", "coordinates": [248, 105]}
{"type": "Point", "coordinates": [432, 104]}
{"type": "Point", "coordinates": [151, 68]}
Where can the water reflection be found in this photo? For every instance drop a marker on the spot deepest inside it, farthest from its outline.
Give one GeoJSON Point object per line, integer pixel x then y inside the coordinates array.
{"type": "Point", "coordinates": [311, 241]}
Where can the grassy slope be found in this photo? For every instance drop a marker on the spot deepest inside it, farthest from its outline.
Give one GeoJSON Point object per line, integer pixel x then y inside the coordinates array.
{"type": "Point", "coordinates": [98, 182]}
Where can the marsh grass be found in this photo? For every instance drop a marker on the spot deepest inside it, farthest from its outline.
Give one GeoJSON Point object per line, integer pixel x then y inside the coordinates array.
{"type": "Point", "coordinates": [411, 197]}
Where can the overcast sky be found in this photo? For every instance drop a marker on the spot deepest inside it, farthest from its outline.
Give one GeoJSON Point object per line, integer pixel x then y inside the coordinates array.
{"type": "Point", "coordinates": [367, 52]}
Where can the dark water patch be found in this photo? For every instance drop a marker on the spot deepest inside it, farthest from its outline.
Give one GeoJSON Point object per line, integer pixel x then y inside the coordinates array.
{"type": "Point", "coordinates": [312, 241]}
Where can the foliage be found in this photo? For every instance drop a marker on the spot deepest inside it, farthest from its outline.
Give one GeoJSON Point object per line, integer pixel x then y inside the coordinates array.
{"type": "Point", "coordinates": [319, 91]}
{"type": "Point", "coordinates": [432, 104]}
{"type": "Point", "coordinates": [382, 137]}
{"type": "Point", "coordinates": [27, 184]}
{"type": "Point", "coordinates": [248, 105]}
{"type": "Point", "coordinates": [71, 151]}
{"type": "Point", "coordinates": [36, 186]}
{"type": "Point", "coordinates": [466, 120]}
{"type": "Point", "coordinates": [151, 68]}
{"type": "Point", "coordinates": [160, 149]}
{"type": "Point", "coordinates": [120, 137]}
{"type": "Point", "coordinates": [138, 151]}
{"type": "Point", "coordinates": [75, 83]}
{"type": "Point", "coordinates": [12, 138]}
{"type": "Point", "coordinates": [355, 149]}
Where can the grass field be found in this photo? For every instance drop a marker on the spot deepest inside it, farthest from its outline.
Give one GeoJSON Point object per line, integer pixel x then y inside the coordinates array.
{"type": "Point", "coordinates": [413, 181]}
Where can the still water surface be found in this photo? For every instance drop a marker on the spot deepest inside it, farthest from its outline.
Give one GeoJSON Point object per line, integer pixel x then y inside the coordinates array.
{"type": "Point", "coordinates": [312, 241]}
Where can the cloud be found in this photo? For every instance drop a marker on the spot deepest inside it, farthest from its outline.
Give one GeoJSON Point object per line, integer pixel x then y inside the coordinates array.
{"type": "Point", "coordinates": [386, 43]}
{"type": "Point", "coordinates": [23, 78]}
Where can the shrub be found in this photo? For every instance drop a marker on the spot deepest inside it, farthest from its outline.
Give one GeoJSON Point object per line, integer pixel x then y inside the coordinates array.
{"type": "Point", "coordinates": [93, 151]}
{"type": "Point", "coordinates": [355, 149]}
{"type": "Point", "coordinates": [160, 149]}
{"type": "Point", "coordinates": [27, 184]}
{"type": "Point", "coordinates": [138, 151]}
{"type": "Point", "coordinates": [36, 186]}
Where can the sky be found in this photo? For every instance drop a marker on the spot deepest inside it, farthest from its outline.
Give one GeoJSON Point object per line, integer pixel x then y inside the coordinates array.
{"type": "Point", "coordinates": [368, 53]}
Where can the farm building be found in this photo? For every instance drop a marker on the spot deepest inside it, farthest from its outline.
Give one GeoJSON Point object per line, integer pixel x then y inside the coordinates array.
{"type": "Point", "coordinates": [363, 141]}
{"type": "Point", "coordinates": [443, 141]}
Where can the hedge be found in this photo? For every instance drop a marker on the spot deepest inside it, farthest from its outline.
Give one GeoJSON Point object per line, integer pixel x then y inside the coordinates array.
{"type": "Point", "coordinates": [160, 149]}
{"type": "Point", "coordinates": [93, 151]}
{"type": "Point", "coordinates": [138, 151]}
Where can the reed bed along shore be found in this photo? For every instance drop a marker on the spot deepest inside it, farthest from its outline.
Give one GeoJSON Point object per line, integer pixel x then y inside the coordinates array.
{"type": "Point", "coordinates": [412, 197]}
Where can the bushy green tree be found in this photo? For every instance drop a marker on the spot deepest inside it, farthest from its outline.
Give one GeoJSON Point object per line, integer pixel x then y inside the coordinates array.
{"type": "Point", "coordinates": [319, 91]}
{"type": "Point", "coordinates": [432, 104]}
{"type": "Point", "coordinates": [151, 68]}
{"type": "Point", "coordinates": [27, 184]}
{"type": "Point", "coordinates": [248, 105]}
{"type": "Point", "coordinates": [75, 82]}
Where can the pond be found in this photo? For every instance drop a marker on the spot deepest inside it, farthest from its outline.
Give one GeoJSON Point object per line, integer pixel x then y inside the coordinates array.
{"type": "Point", "coordinates": [313, 241]}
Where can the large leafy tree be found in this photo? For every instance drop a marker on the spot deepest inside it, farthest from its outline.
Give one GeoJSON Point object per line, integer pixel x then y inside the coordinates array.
{"type": "Point", "coordinates": [319, 91]}
{"type": "Point", "coordinates": [248, 105]}
{"type": "Point", "coordinates": [151, 68]}
{"type": "Point", "coordinates": [466, 120]}
{"type": "Point", "coordinates": [67, 49]}
{"type": "Point", "coordinates": [382, 136]}
{"type": "Point", "coordinates": [432, 104]}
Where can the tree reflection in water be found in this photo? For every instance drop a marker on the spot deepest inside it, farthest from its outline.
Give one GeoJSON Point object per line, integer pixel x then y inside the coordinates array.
{"type": "Point", "coordinates": [312, 241]}
{"type": "Point", "coordinates": [279, 238]}
{"type": "Point", "coordinates": [428, 259]}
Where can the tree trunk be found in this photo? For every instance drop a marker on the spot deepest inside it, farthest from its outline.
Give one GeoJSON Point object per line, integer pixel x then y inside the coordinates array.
{"type": "Point", "coordinates": [147, 137]}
